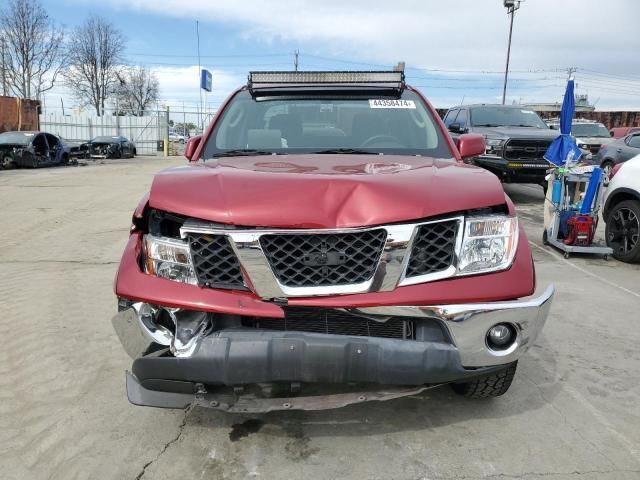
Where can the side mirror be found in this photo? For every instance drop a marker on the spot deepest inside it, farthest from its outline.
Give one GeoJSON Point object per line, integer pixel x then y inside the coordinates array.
{"type": "Point", "coordinates": [192, 146]}
{"type": "Point", "coordinates": [470, 145]}
{"type": "Point", "coordinates": [455, 128]}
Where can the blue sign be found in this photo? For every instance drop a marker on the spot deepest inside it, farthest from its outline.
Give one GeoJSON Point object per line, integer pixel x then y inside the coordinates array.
{"type": "Point", "coordinates": [206, 81]}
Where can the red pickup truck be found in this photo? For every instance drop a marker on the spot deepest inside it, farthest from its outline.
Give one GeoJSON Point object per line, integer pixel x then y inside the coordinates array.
{"type": "Point", "coordinates": [325, 245]}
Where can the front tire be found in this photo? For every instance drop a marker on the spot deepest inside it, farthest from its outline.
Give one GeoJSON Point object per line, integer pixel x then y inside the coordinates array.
{"type": "Point", "coordinates": [488, 386]}
{"type": "Point", "coordinates": [623, 231]}
{"type": "Point", "coordinates": [7, 162]}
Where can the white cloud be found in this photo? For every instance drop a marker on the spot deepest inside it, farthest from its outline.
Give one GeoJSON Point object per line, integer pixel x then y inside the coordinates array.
{"type": "Point", "coordinates": [181, 84]}
{"type": "Point", "coordinates": [467, 34]}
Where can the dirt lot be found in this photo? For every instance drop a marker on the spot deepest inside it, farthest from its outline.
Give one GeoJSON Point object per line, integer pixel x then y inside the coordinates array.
{"type": "Point", "coordinates": [572, 412]}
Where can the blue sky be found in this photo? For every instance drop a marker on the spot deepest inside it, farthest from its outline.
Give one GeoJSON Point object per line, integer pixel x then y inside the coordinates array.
{"type": "Point", "coordinates": [453, 50]}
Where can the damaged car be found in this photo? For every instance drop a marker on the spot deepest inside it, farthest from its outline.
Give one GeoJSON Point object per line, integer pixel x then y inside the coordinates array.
{"type": "Point", "coordinates": [109, 147]}
{"type": "Point", "coordinates": [325, 245]}
{"type": "Point", "coordinates": [31, 149]}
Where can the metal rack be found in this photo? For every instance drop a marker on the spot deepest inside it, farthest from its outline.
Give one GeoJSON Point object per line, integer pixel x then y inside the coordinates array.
{"type": "Point", "coordinates": [571, 183]}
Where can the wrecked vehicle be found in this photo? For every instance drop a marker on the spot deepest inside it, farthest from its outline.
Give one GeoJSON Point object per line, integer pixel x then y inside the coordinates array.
{"type": "Point", "coordinates": [30, 149]}
{"type": "Point", "coordinates": [325, 245]}
{"type": "Point", "coordinates": [109, 147]}
{"type": "Point", "coordinates": [73, 150]}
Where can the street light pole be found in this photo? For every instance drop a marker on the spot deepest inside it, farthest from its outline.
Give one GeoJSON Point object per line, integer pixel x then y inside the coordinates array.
{"type": "Point", "coordinates": [512, 6]}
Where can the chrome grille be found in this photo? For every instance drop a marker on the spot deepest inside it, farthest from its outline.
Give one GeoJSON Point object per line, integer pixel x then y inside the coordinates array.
{"type": "Point", "coordinates": [313, 260]}
{"type": "Point", "coordinates": [433, 248]}
{"type": "Point", "coordinates": [215, 264]}
{"type": "Point", "coordinates": [523, 149]}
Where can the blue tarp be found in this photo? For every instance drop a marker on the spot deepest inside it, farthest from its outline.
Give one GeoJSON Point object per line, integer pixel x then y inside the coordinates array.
{"type": "Point", "coordinates": [564, 147]}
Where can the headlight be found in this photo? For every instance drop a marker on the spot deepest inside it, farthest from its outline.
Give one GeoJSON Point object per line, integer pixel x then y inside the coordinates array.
{"type": "Point", "coordinates": [168, 258]}
{"type": "Point", "coordinates": [493, 142]}
{"type": "Point", "coordinates": [489, 244]}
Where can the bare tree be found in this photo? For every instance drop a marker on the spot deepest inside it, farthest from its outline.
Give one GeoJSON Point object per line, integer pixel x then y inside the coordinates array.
{"type": "Point", "coordinates": [32, 48]}
{"type": "Point", "coordinates": [95, 57]}
{"type": "Point", "coordinates": [137, 90]}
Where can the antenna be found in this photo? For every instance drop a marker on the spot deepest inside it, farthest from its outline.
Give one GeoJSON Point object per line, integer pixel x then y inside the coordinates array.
{"type": "Point", "coordinates": [295, 60]}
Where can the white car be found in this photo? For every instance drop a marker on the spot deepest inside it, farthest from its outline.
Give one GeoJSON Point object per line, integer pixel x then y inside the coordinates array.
{"type": "Point", "coordinates": [174, 137]}
{"type": "Point", "coordinates": [622, 211]}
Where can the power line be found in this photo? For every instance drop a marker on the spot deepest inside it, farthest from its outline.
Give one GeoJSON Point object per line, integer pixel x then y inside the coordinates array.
{"type": "Point", "coordinates": [594, 72]}
{"type": "Point", "coordinates": [481, 87]}
{"type": "Point", "coordinates": [263, 55]}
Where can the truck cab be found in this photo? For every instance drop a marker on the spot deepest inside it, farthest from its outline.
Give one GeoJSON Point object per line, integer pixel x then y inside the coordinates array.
{"type": "Point", "coordinates": [324, 245]}
{"type": "Point", "coordinates": [516, 140]}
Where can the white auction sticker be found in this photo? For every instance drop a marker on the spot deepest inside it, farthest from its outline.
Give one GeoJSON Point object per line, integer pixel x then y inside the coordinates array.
{"type": "Point", "coordinates": [380, 103]}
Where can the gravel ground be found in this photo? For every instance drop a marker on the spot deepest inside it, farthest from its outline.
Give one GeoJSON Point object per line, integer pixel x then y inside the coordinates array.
{"type": "Point", "coordinates": [572, 412]}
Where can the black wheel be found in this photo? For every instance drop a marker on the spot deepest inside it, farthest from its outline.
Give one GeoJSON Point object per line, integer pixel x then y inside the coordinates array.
{"type": "Point", "coordinates": [545, 237]}
{"type": "Point", "coordinates": [623, 231]}
{"type": "Point", "coordinates": [7, 162]}
{"type": "Point", "coordinates": [545, 186]}
{"type": "Point", "coordinates": [607, 166]}
{"type": "Point", "coordinates": [134, 153]}
{"type": "Point", "coordinates": [487, 386]}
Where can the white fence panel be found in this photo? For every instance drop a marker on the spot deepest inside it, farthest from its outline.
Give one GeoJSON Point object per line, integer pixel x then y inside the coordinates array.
{"type": "Point", "coordinates": [145, 131]}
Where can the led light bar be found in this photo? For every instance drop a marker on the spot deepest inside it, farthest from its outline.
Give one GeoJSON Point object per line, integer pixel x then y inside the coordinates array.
{"type": "Point", "coordinates": [391, 79]}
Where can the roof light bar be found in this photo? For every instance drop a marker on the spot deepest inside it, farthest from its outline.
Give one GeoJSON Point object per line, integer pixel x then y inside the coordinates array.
{"type": "Point", "coordinates": [393, 79]}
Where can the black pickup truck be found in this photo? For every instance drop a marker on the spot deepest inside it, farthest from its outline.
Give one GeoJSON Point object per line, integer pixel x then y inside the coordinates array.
{"type": "Point", "coordinates": [516, 139]}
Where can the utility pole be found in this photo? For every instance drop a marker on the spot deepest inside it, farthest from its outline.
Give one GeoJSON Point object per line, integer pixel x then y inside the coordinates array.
{"type": "Point", "coordinates": [511, 6]}
{"type": "Point", "coordinates": [295, 60]}
{"type": "Point", "coordinates": [200, 122]}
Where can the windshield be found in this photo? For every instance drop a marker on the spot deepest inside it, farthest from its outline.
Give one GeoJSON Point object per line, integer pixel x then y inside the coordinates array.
{"type": "Point", "coordinates": [327, 123]}
{"type": "Point", "coordinates": [15, 138]}
{"type": "Point", "coordinates": [589, 130]}
{"type": "Point", "coordinates": [505, 117]}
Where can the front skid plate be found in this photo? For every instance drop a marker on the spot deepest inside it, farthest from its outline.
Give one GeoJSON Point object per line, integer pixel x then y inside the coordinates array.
{"type": "Point", "coordinates": [138, 395]}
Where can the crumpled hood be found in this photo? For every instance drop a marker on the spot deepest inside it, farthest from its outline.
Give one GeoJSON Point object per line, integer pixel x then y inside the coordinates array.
{"type": "Point", "coordinates": [323, 191]}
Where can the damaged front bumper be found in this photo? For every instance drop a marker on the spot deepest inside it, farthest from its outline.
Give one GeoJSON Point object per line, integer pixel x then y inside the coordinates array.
{"type": "Point", "coordinates": [183, 365]}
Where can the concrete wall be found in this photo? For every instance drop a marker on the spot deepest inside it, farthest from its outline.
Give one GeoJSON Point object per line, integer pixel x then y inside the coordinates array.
{"type": "Point", "coordinates": [17, 114]}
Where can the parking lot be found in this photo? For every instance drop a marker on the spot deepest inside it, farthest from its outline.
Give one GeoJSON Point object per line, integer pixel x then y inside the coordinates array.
{"type": "Point", "coordinates": [573, 411]}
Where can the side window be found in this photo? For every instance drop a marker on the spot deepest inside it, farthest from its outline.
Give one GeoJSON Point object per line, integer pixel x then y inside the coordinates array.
{"type": "Point", "coordinates": [634, 141]}
{"type": "Point", "coordinates": [450, 117]}
{"type": "Point", "coordinates": [463, 118]}
{"type": "Point", "coordinates": [52, 140]}
{"type": "Point", "coordinates": [40, 145]}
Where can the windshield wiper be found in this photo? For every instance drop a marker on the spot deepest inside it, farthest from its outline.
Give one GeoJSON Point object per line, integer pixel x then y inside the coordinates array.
{"type": "Point", "coordinates": [487, 125]}
{"type": "Point", "coordinates": [243, 152]}
{"type": "Point", "coordinates": [346, 151]}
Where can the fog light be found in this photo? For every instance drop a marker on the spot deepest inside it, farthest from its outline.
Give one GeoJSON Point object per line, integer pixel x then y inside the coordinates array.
{"type": "Point", "coordinates": [501, 336]}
